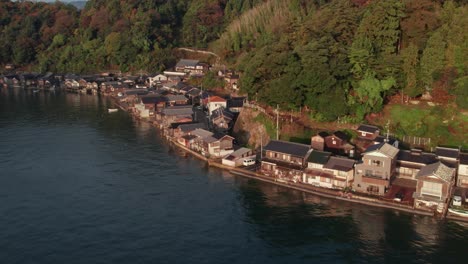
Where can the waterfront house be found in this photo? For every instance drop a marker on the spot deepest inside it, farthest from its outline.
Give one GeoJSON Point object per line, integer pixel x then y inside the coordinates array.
{"type": "Point", "coordinates": [153, 102]}
{"type": "Point", "coordinates": [142, 111]}
{"type": "Point", "coordinates": [236, 158]}
{"type": "Point", "coordinates": [342, 170]}
{"type": "Point", "coordinates": [434, 186]}
{"type": "Point", "coordinates": [218, 145]}
{"type": "Point", "coordinates": [314, 173]}
{"type": "Point", "coordinates": [285, 160]}
{"type": "Point", "coordinates": [210, 144]}
{"type": "Point", "coordinates": [368, 132]}
{"type": "Point", "coordinates": [177, 130]}
{"type": "Point", "coordinates": [328, 172]}
{"type": "Point", "coordinates": [448, 155]}
{"type": "Point", "coordinates": [410, 162]}
{"type": "Point", "coordinates": [198, 144]}
{"type": "Point", "coordinates": [215, 102]}
{"type": "Point", "coordinates": [462, 177]}
{"type": "Point", "coordinates": [376, 169]}
{"type": "Point", "coordinates": [173, 113]}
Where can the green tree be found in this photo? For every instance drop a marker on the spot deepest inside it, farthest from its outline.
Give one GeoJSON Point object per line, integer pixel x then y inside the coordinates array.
{"type": "Point", "coordinates": [409, 67]}
{"type": "Point", "coordinates": [433, 58]}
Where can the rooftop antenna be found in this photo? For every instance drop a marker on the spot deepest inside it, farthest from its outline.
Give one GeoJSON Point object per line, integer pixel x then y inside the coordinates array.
{"type": "Point", "coordinates": [387, 126]}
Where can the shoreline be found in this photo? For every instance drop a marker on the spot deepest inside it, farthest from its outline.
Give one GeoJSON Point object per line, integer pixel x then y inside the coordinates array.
{"type": "Point", "coordinates": [327, 193]}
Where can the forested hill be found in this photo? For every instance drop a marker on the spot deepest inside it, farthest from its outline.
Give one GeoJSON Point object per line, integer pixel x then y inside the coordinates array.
{"type": "Point", "coordinates": [129, 35]}
{"type": "Point", "coordinates": [343, 57]}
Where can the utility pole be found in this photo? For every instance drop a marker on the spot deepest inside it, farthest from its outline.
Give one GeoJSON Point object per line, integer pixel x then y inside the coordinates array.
{"type": "Point", "coordinates": [388, 130]}
{"type": "Point", "coordinates": [277, 122]}
{"type": "Point", "coordinates": [261, 145]}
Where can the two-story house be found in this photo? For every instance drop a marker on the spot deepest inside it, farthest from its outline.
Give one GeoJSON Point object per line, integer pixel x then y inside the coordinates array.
{"type": "Point", "coordinates": [374, 172]}
{"type": "Point", "coordinates": [434, 186]}
{"type": "Point", "coordinates": [462, 177]}
{"type": "Point", "coordinates": [285, 160]}
{"type": "Point", "coordinates": [409, 162]}
{"type": "Point", "coordinates": [314, 173]}
{"type": "Point", "coordinates": [215, 102]}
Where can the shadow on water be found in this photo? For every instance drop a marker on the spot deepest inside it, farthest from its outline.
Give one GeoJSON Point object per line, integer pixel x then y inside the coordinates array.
{"type": "Point", "coordinates": [79, 183]}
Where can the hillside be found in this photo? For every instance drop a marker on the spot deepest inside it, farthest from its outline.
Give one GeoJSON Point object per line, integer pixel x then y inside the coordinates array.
{"type": "Point", "coordinates": [337, 59]}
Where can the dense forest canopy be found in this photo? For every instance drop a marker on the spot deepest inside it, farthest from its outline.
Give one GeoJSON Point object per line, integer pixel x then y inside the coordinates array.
{"type": "Point", "coordinates": [342, 57]}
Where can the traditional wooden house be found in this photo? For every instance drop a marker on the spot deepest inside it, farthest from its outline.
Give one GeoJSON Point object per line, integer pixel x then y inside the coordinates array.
{"type": "Point", "coordinates": [337, 143]}
{"type": "Point", "coordinates": [285, 160]}
{"type": "Point", "coordinates": [178, 130]}
{"type": "Point", "coordinates": [376, 169]}
{"type": "Point", "coordinates": [191, 67]}
{"type": "Point", "coordinates": [222, 119]}
{"type": "Point", "coordinates": [218, 145]}
{"type": "Point", "coordinates": [434, 186]}
{"type": "Point", "coordinates": [176, 99]}
{"type": "Point", "coordinates": [317, 142]}
{"type": "Point", "coordinates": [314, 173]}
{"type": "Point", "coordinates": [157, 79]}
{"type": "Point", "coordinates": [154, 102]}
{"type": "Point", "coordinates": [232, 81]}
{"type": "Point", "coordinates": [368, 132]}
{"type": "Point", "coordinates": [173, 113]}
{"type": "Point", "coordinates": [410, 162]}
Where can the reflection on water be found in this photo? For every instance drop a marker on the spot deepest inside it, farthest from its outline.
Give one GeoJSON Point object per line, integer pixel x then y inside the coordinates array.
{"type": "Point", "coordinates": [78, 184]}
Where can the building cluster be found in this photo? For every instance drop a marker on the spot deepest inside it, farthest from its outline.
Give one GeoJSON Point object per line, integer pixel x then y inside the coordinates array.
{"type": "Point", "coordinates": [427, 181]}
{"type": "Point", "coordinates": [370, 165]}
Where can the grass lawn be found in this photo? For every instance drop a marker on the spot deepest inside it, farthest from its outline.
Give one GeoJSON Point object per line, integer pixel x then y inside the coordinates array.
{"type": "Point", "coordinates": [444, 125]}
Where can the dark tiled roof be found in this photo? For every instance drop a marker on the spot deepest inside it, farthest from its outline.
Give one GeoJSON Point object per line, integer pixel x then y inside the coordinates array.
{"type": "Point", "coordinates": [153, 99]}
{"type": "Point", "coordinates": [190, 127]}
{"type": "Point", "coordinates": [447, 152]}
{"type": "Point", "coordinates": [177, 124]}
{"type": "Point", "coordinates": [416, 157]}
{"type": "Point", "coordinates": [323, 134]}
{"type": "Point", "coordinates": [235, 102]}
{"type": "Point", "coordinates": [368, 128]}
{"type": "Point", "coordinates": [295, 149]}
{"type": "Point", "coordinates": [319, 157]}
{"type": "Point", "coordinates": [341, 164]}
{"type": "Point", "coordinates": [186, 62]}
{"type": "Point", "coordinates": [464, 158]}
{"type": "Point", "coordinates": [341, 135]}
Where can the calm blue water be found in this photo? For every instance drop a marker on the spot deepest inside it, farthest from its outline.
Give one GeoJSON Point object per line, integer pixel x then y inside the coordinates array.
{"type": "Point", "coordinates": [79, 185]}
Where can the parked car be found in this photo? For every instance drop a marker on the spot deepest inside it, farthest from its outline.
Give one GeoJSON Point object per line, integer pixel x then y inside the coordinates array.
{"type": "Point", "coordinates": [248, 162]}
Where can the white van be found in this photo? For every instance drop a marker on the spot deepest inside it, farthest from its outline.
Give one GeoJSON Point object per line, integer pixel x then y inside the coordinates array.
{"type": "Point", "coordinates": [248, 162]}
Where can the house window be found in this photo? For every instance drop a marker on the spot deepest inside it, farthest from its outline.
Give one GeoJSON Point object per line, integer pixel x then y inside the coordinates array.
{"type": "Point", "coordinates": [342, 173]}
{"type": "Point", "coordinates": [373, 189]}
{"type": "Point", "coordinates": [368, 173]}
{"type": "Point", "coordinates": [432, 188]}
{"type": "Point", "coordinates": [376, 163]}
